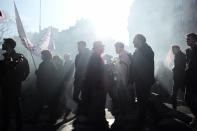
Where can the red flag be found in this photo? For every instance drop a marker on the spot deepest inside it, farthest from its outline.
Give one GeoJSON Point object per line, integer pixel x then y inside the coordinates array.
{"type": "Point", "coordinates": [1, 14]}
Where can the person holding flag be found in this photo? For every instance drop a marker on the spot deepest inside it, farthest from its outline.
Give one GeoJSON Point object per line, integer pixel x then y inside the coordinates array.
{"type": "Point", "coordinates": [46, 43]}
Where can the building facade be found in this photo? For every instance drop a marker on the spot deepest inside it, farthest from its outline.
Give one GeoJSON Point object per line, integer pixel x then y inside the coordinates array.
{"type": "Point", "coordinates": [163, 22]}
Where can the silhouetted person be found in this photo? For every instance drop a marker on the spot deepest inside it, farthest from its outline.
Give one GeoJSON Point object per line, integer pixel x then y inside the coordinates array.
{"type": "Point", "coordinates": [68, 74]}
{"type": "Point", "coordinates": [68, 67]}
{"type": "Point", "coordinates": [58, 63]}
{"type": "Point", "coordinates": [91, 109]}
{"type": "Point", "coordinates": [143, 73]}
{"type": "Point", "coordinates": [122, 94]}
{"type": "Point", "coordinates": [178, 73]}
{"type": "Point", "coordinates": [191, 72]}
{"type": "Point", "coordinates": [110, 77]}
{"type": "Point", "coordinates": [66, 91]}
{"type": "Point", "coordinates": [164, 80]}
{"type": "Point", "coordinates": [81, 62]}
{"type": "Point", "coordinates": [47, 82]}
{"type": "Point", "coordinates": [14, 69]}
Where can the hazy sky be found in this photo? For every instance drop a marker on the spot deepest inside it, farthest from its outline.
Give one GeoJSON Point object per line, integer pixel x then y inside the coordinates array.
{"type": "Point", "coordinates": [108, 16]}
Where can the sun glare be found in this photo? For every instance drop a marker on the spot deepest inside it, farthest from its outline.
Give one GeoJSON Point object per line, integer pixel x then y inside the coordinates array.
{"type": "Point", "coordinates": [109, 17]}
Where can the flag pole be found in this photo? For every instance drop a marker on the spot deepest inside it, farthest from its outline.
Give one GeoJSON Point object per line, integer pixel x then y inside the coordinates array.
{"type": "Point", "coordinates": [33, 59]}
{"type": "Point", "coordinates": [22, 33]}
{"type": "Point", "coordinates": [40, 17]}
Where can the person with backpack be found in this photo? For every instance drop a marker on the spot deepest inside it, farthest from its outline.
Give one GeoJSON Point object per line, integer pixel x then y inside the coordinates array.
{"type": "Point", "coordinates": [14, 69]}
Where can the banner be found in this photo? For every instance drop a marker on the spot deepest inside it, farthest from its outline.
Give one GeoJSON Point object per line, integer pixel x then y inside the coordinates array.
{"type": "Point", "coordinates": [21, 30]}
{"type": "Point", "coordinates": [44, 44]}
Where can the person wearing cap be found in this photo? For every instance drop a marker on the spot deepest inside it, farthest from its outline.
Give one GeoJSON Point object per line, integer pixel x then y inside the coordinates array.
{"type": "Point", "coordinates": [91, 109]}
{"type": "Point", "coordinates": [178, 73]}
{"type": "Point", "coordinates": [191, 82]}
{"type": "Point", "coordinates": [143, 74]}
{"type": "Point", "coordinates": [13, 70]}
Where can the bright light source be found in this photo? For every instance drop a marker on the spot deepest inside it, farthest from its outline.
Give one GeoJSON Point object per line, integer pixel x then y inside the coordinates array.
{"type": "Point", "coordinates": [109, 17]}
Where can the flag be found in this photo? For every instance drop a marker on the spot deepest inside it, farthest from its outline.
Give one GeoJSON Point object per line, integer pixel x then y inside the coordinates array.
{"type": "Point", "coordinates": [26, 42]}
{"type": "Point", "coordinates": [21, 30]}
{"type": "Point", "coordinates": [1, 14]}
{"type": "Point", "coordinates": [43, 44]}
{"type": "Point", "coordinates": [51, 46]}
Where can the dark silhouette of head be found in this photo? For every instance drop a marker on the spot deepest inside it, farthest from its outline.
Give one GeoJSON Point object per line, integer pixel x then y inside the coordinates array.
{"type": "Point", "coordinates": [8, 44]}
{"type": "Point", "coordinates": [57, 60]}
{"type": "Point", "coordinates": [139, 40]}
{"type": "Point", "coordinates": [81, 45]}
{"type": "Point", "coordinates": [46, 55]}
{"type": "Point", "coordinates": [191, 39]}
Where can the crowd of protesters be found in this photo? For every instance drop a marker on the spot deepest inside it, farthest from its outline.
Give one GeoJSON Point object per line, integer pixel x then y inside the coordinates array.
{"type": "Point", "coordinates": [95, 83]}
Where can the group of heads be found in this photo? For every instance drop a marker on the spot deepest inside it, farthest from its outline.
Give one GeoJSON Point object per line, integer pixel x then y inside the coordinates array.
{"type": "Point", "coordinates": [191, 40]}
{"type": "Point", "coordinates": [138, 41]}
{"type": "Point", "coordinates": [98, 47]}
{"type": "Point", "coordinates": [47, 55]}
